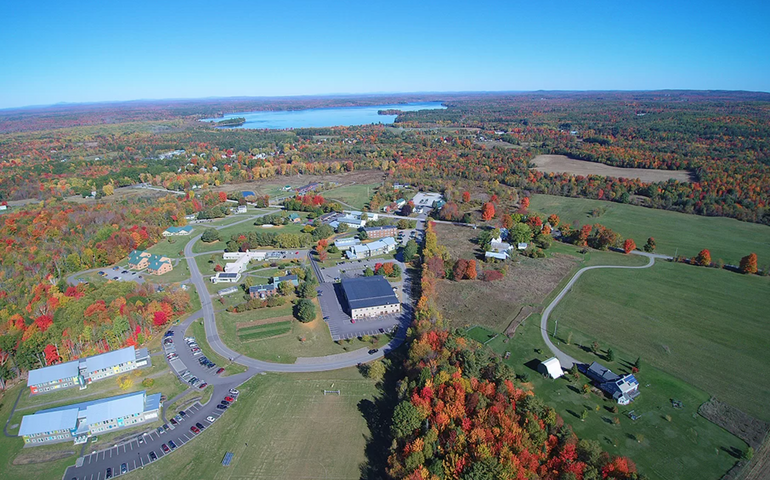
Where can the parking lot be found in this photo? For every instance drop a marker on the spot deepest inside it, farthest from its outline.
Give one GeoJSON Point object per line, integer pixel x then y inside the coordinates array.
{"type": "Point", "coordinates": [355, 268]}
{"type": "Point", "coordinates": [122, 274]}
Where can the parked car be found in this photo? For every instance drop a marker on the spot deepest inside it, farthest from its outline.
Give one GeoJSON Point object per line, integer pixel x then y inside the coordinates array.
{"type": "Point", "coordinates": [234, 391]}
{"type": "Point", "coordinates": [153, 457]}
{"type": "Point", "coordinates": [220, 370]}
{"type": "Point", "coordinates": [203, 385]}
{"type": "Point", "coordinates": [225, 403]}
{"type": "Point", "coordinates": [229, 399]}
{"type": "Point", "coordinates": [123, 468]}
{"type": "Point", "coordinates": [183, 413]}
{"type": "Point", "coordinates": [200, 425]}
{"type": "Point", "coordinates": [195, 430]}
{"type": "Point", "coordinates": [171, 444]}
{"type": "Point", "coordinates": [174, 422]}
{"type": "Point", "coordinates": [211, 418]}
{"type": "Point", "coordinates": [165, 427]}
{"type": "Point", "coordinates": [109, 473]}
{"type": "Point", "coordinates": [160, 430]}
{"type": "Point", "coordinates": [222, 407]}
{"type": "Point", "coordinates": [165, 448]}
{"type": "Point", "coordinates": [373, 351]}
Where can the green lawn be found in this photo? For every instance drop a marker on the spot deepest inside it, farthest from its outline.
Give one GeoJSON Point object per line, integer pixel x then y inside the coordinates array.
{"type": "Point", "coordinates": [258, 332]}
{"type": "Point", "coordinates": [703, 325]}
{"type": "Point", "coordinates": [674, 232]}
{"type": "Point", "coordinates": [282, 426]}
{"type": "Point", "coordinates": [356, 196]}
{"type": "Point", "coordinates": [197, 330]}
{"type": "Point", "coordinates": [245, 227]}
{"type": "Point", "coordinates": [304, 340]}
{"type": "Point", "coordinates": [180, 272]}
{"type": "Point", "coordinates": [687, 448]}
{"type": "Point", "coordinates": [172, 247]}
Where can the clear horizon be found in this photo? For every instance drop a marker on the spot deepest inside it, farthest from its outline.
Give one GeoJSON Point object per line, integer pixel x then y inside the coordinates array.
{"type": "Point", "coordinates": [104, 53]}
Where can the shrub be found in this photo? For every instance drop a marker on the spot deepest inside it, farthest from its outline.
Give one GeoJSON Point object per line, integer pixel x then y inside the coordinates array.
{"type": "Point", "coordinates": [491, 276]}
{"type": "Point", "coordinates": [148, 382]}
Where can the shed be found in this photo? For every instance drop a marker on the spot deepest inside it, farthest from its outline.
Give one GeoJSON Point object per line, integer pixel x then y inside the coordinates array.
{"type": "Point", "coordinates": [551, 367]}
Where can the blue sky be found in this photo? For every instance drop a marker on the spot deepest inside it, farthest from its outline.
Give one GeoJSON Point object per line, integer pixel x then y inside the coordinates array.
{"type": "Point", "coordinates": [54, 51]}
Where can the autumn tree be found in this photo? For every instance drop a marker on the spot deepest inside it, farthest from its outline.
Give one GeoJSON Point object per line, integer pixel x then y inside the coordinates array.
{"type": "Point", "coordinates": [524, 203]}
{"type": "Point", "coordinates": [108, 190]}
{"type": "Point", "coordinates": [376, 370]}
{"type": "Point", "coordinates": [159, 318]}
{"type": "Point", "coordinates": [466, 196]}
{"type": "Point", "coordinates": [506, 221]}
{"type": "Point", "coordinates": [628, 246]}
{"type": "Point", "coordinates": [649, 247]}
{"type": "Point", "coordinates": [553, 219]}
{"type": "Point", "coordinates": [488, 211]}
{"type": "Point", "coordinates": [458, 272]}
{"type": "Point", "coordinates": [703, 258]}
{"type": "Point", "coordinates": [470, 272]}
{"type": "Point", "coordinates": [749, 263]}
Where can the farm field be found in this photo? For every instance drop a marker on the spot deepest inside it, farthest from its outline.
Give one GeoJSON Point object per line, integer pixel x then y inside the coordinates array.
{"type": "Point", "coordinates": [562, 163]}
{"type": "Point", "coordinates": [356, 196]}
{"type": "Point", "coordinates": [286, 347]}
{"type": "Point", "coordinates": [688, 447]}
{"type": "Point", "coordinates": [282, 426]}
{"type": "Point", "coordinates": [705, 326]}
{"type": "Point", "coordinates": [727, 239]}
{"type": "Point", "coordinates": [274, 186]}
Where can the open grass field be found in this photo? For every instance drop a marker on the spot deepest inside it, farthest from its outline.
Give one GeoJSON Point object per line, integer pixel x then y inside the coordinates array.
{"type": "Point", "coordinates": [287, 347]}
{"type": "Point", "coordinates": [246, 227]}
{"type": "Point", "coordinates": [564, 164]}
{"type": "Point", "coordinates": [274, 186]}
{"type": "Point", "coordinates": [726, 238]}
{"type": "Point", "coordinates": [172, 247]}
{"type": "Point", "coordinates": [357, 196]}
{"type": "Point", "coordinates": [180, 273]}
{"type": "Point", "coordinates": [281, 427]}
{"type": "Point", "coordinates": [705, 326]}
{"type": "Point", "coordinates": [524, 289]}
{"type": "Point", "coordinates": [689, 447]}
{"type": "Point", "coordinates": [267, 330]}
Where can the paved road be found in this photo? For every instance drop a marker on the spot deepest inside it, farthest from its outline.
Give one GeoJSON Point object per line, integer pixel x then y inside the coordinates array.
{"type": "Point", "coordinates": [566, 360]}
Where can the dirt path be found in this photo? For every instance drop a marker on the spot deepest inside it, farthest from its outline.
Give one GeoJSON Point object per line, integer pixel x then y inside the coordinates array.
{"type": "Point", "coordinates": [563, 164]}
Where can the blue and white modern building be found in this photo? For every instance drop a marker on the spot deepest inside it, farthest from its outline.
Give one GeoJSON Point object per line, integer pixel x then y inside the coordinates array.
{"type": "Point", "coordinates": [80, 421]}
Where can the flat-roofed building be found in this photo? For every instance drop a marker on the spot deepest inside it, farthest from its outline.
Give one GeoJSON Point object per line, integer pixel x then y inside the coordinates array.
{"type": "Point", "coordinates": [226, 277]}
{"type": "Point", "coordinates": [372, 249]}
{"type": "Point", "coordinates": [370, 297]}
{"type": "Point", "coordinates": [346, 243]}
{"type": "Point", "coordinates": [86, 370]}
{"type": "Point", "coordinates": [381, 232]}
{"type": "Point", "coordinates": [80, 421]}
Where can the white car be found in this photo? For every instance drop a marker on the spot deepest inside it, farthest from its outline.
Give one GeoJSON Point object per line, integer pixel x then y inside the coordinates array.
{"type": "Point", "coordinates": [211, 418]}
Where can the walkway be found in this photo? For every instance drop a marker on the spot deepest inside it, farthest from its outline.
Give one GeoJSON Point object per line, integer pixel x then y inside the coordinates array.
{"type": "Point", "coordinates": [566, 360]}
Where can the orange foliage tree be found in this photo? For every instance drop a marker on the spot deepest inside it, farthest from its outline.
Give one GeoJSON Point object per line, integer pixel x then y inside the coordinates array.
{"type": "Point", "coordinates": [488, 211]}
{"type": "Point", "coordinates": [628, 245]}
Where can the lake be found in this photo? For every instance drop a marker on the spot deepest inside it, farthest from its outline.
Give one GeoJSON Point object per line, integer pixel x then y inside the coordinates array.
{"type": "Point", "coordinates": [324, 117]}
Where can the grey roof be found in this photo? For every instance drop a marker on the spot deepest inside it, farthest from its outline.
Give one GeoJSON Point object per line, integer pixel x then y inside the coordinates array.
{"type": "Point", "coordinates": [110, 359]}
{"type": "Point", "coordinates": [152, 402]}
{"type": "Point", "coordinates": [366, 292]}
{"type": "Point", "coordinates": [259, 288]}
{"type": "Point", "coordinates": [227, 275]}
{"type": "Point", "coordinates": [53, 372]}
{"type": "Point", "coordinates": [115, 407]}
{"type": "Point", "coordinates": [601, 373]}
{"type": "Point", "coordinates": [347, 241]}
{"type": "Point", "coordinates": [142, 353]}
{"type": "Point", "coordinates": [66, 419]}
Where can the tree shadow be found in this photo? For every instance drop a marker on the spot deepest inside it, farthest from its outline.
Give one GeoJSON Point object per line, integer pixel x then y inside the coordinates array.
{"type": "Point", "coordinates": [574, 389]}
{"type": "Point", "coordinates": [733, 452]}
{"type": "Point", "coordinates": [574, 414]}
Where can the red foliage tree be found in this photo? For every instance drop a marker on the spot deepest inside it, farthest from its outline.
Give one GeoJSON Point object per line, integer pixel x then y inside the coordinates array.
{"type": "Point", "coordinates": [524, 203]}
{"type": "Point", "coordinates": [44, 322]}
{"type": "Point", "coordinates": [466, 196]}
{"type": "Point", "coordinates": [436, 266]}
{"type": "Point", "coordinates": [322, 255]}
{"type": "Point", "coordinates": [449, 212]}
{"type": "Point", "coordinates": [470, 272]}
{"type": "Point", "coordinates": [51, 355]}
{"type": "Point", "coordinates": [507, 221]}
{"type": "Point", "coordinates": [458, 272]}
{"type": "Point", "coordinates": [488, 211]}
{"type": "Point", "coordinates": [159, 318]}
{"type": "Point", "coordinates": [582, 238]}
{"type": "Point", "coordinates": [218, 268]}
{"type": "Point", "coordinates": [628, 245]}
{"type": "Point", "coordinates": [222, 196]}
{"type": "Point", "coordinates": [749, 263]}
{"type": "Point", "coordinates": [703, 258]}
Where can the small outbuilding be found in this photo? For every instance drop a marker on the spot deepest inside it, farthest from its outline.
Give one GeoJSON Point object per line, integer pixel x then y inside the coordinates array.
{"type": "Point", "coordinates": [551, 367]}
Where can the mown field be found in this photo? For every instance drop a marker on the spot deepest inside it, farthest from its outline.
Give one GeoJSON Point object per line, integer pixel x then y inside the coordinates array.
{"type": "Point", "coordinates": [281, 427]}
{"type": "Point", "coordinates": [674, 232]}
{"type": "Point", "coordinates": [688, 447]}
{"type": "Point", "coordinates": [357, 196]}
{"type": "Point", "coordinates": [707, 327]}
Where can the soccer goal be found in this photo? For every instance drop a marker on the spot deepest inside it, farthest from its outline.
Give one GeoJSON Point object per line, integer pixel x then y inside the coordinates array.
{"type": "Point", "coordinates": [331, 392]}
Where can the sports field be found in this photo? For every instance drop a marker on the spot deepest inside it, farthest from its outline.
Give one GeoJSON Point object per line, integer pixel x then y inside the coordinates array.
{"type": "Point", "coordinates": [356, 196]}
{"type": "Point", "coordinates": [705, 326]}
{"type": "Point", "coordinates": [281, 427]}
{"type": "Point", "coordinates": [726, 238]}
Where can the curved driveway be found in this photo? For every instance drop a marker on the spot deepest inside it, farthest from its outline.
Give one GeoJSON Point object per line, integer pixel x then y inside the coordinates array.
{"type": "Point", "coordinates": [566, 360]}
{"type": "Point", "coordinates": [212, 335]}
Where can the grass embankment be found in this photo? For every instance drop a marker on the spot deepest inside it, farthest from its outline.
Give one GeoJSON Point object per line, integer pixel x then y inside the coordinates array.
{"type": "Point", "coordinates": [705, 326]}
{"type": "Point", "coordinates": [282, 426]}
{"type": "Point", "coordinates": [727, 239]}
{"type": "Point", "coordinates": [686, 447]}
{"type": "Point", "coordinates": [198, 331]}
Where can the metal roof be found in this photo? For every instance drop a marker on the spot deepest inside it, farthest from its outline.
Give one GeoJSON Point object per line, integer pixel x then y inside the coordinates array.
{"type": "Point", "coordinates": [115, 407]}
{"type": "Point", "coordinates": [53, 372]}
{"type": "Point", "coordinates": [142, 353]}
{"type": "Point", "coordinates": [347, 241]}
{"type": "Point", "coordinates": [364, 292]}
{"type": "Point", "coordinates": [49, 421]}
{"type": "Point", "coordinates": [384, 227]}
{"type": "Point", "coordinates": [152, 402]}
{"type": "Point", "coordinates": [110, 359]}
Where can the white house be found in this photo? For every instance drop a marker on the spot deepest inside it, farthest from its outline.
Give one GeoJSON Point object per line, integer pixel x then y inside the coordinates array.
{"type": "Point", "coordinates": [496, 255]}
{"type": "Point", "coordinates": [241, 208]}
{"type": "Point", "coordinates": [551, 367]}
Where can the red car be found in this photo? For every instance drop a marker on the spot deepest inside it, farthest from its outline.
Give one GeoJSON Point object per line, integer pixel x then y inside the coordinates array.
{"type": "Point", "coordinates": [195, 430]}
{"type": "Point", "coordinates": [203, 385]}
{"type": "Point", "coordinates": [229, 399]}
{"type": "Point", "coordinates": [165, 448]}
{"type": "Point", "coordinates": [219, 372]}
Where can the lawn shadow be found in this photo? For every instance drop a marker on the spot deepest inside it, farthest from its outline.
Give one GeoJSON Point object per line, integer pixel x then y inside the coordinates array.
{"type": "Point", "coordinates": [574, 389]}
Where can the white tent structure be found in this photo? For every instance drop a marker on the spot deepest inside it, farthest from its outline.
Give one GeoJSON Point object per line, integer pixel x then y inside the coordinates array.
{"type": "Point", "coordinates": [551, 367]}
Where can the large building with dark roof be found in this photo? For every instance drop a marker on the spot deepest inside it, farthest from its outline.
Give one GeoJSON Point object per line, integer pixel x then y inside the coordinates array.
{"type": "Point", "coordinates": [79, 421]}
{"type": "Point", "coordinates": [370, 297]}
{"type": "Point", "coordinates": [86, 370]}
